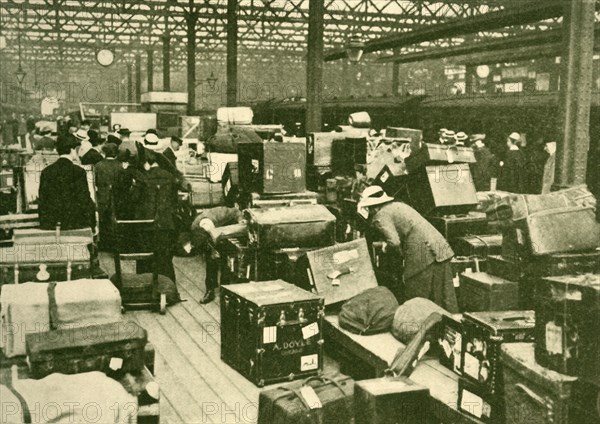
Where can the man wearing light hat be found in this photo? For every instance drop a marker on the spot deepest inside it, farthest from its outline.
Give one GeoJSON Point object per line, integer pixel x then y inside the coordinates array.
{"type": "Point", "coordinates": [415, 242]}
{"type": "Point", "coordinates": [512, 176]}
{"type": "Point", "coordinates": [151, 139]}
{"type": "Point", "coordinates": [449, 137]}
{"type": "Point", "coordinates": [460, 138]}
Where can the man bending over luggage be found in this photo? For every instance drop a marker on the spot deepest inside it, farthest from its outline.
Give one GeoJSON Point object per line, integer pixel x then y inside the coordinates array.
{"type": "Point", "coordinates": [64, 195]}
{"type": "Point", "coordinates": [203, 225]}
{"type": "Point", "coordinates": [413, 240]}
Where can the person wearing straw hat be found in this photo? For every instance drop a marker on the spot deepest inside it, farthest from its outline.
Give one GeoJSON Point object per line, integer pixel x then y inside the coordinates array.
{"type": "Point", "coordinates": [415, 242]}
{"type": "Point", "coordinates": [461, 138]}
{"type": "Point", "coordinates": [449, 137]}
{"type": "Point", "coordinates": [441, 135]}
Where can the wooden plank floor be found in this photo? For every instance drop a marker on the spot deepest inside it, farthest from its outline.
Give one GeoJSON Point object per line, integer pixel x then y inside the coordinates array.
{"type": "Point", "coordinates": [196, 386]}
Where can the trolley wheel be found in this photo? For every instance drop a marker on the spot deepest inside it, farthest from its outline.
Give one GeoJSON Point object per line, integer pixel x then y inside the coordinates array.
{"type": "Point", "coordinates": [163, 304]}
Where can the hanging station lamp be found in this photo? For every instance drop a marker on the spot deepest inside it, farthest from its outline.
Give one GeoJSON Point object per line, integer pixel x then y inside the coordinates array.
{"type": "Point", "coordinates": [355, 48]}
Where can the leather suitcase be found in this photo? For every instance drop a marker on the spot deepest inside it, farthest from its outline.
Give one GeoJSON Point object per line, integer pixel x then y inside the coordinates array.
{"type": "Point", "coordinates": [454, 226]}
{"type": "Point", "coordinates": [319, 146]}
{"type": "Point", "coordinates": [477, 245]}
{"type": "Point", "coordinates": [388, 400]}
{"type": "Point", "coordinates": [114, 348]}
{"type": "Point", "coordinates": [238, 260]}
{"type": "Point", "coordinates": [533, 394]}
{"type": "Point", "coordinates": [271, 168]}
{"type": "Point", "coordinates": [205, 193]}
{"type": "Point", "coordinates": [508, 268]}
{"type": "Point", "coordinates": [230, 183]}
{"type": "Point", "coordinates": [567, 338]}
{"type": "Point", "coordinates": [435, 154]}
{"type": "Point", "coordinates": [477, 402]}
{"type": "Point", "coordinates": [294, 403]}
{"type": "Point", "coordinates": [563, 264]}
{"type": "Point", "coordinates": [407, 135]}
{"type": "Point", "coordinates": [347, 153]}
{"type": "Point", "coordinates": [393, 181]}
{"type": "Point", "coordinates": [44, 263]}
{"type": "Point", "coordinates": [338, 272]}
{"type": "Point", "coordinates": [279, 264]}
{"type": "Point", "coordinates": [271, 331]}
{"type": "Point", "coordinates": [483, 334]}
{"type": "Point", "coordinates": [35, 307]}
{"type": "Point", "coordinates": [462, 264]}
{"type": "Point", "coordinates": [442, 190]}
{"type": "Point", "coordinates": [296, 226]}
{"type": "Point", "coordinates": [561, 231]}
{"type": "Point", "coordinates": [480, 292]}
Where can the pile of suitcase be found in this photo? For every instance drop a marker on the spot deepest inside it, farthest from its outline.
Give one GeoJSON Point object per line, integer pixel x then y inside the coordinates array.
{"type": "Point", "coordinates": [527, 345]}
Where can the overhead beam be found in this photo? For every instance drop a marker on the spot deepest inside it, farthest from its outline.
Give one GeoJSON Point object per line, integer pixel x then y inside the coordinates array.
{"type": "Point", "coordinates": [549, 37]}
{"type": "Point", "coordinates": [192, 18]}
{"type": "Point", "coordinates": [532, 11]}
{"type": "Point", "coordinates": [232, 52]}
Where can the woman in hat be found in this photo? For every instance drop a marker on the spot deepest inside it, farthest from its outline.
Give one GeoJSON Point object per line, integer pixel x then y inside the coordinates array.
{"type": "Point", "coordinates": [415, 242]}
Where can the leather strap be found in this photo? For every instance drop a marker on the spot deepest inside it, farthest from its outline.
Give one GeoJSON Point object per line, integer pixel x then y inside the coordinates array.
{"type": "Point", "coordinates": [22, 401]}
{"type": "Point", "coordinates": [52, 306]}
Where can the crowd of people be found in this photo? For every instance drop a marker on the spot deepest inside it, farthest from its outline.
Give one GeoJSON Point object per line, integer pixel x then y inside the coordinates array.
{"type": "Point", "coordinates": [520, 168]}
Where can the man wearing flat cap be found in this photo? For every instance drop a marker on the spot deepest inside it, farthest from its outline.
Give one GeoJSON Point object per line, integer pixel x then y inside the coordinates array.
{"type": "Point", "coordinates": [412, 240]}
{"type": "Point", "coordinates": [64, 196]}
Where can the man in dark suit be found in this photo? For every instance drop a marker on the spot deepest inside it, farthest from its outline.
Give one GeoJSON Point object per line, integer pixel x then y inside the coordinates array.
{"type": "Point", "coordinates": [106, 175]}
{"type": "Point", "coordinates": [512, 176]}
{"type": "Point", "coordinates": [171, 151]}
{"type": "Point", "coordinates": [415, 242]}
{"type": "Point", "coordinates": [93, 156]}
{"type": "Point", "coordinates": [486, 166]}
{"type": "Point", "coordinates": [64, 196]}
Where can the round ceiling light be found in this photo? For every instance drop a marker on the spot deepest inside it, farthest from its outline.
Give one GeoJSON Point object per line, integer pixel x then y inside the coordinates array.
{"type": "Point", "coordinates": [105, 57]}
{"type": "Point", "coordinates": [482, 71]}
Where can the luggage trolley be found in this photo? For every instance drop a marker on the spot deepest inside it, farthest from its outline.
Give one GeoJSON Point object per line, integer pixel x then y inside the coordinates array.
{"type": "Point", "coordinates": [133, 239]}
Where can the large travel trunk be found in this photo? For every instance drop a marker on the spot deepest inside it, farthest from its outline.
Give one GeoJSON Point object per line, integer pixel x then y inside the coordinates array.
{"type": "Point", "coordinates": [44, 263]}
{"type": "Point", "coordinates": [206, 194]}
{"type": "Point", "coordinates": [230, 182]}
{"type": "Point", "coordinates": [560, 231]}
{"type": "Point", "coordinates": [255, 200]}
{"type": "Point", "coordinates": [319, 146]}
{"type": "Point", "coordinates": [347, 153]}
{"type": "Point", "coordinates": [477, 245]}
{"type": "Point", "coordinates": [532, 393]}
{"type": "Point", "coordinates": [475, 401]}
{"type": "Point", "coordinates": [324, 400]}
{"type": "Point", "coordinates": [271, 331]}
{"type": "Point", "coordinates": [29, 236]}
{"type": "Point", "coordinates": [442, 190]}
{"type": "Point", "coordinates": [435, 154]}
{"type": "Point", "coordinates": [480, 292]}
{"type": "Point", "coordinates": [483, 334]}
{"type": "Point", "coordinates": [563, 264]}
{"type": "Point", "coordinates": [567, 337]}
{"type": "Point", "coordinates": [34, 307]}
{"type": "Point", "coordinates": [272, 167]}
{"type": "Point", "coordinates": [227, 138]}
{"type": "Point", "coordinates": [297, 226]}
{"type": "Point", "coordinates": [454, 226]}
{"type": "Point", "coordinates": [116, 347]}
{"type": "Point", "coordinates": [389, 400]}
{"type": "Point", "coordinates": [339, 272]}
